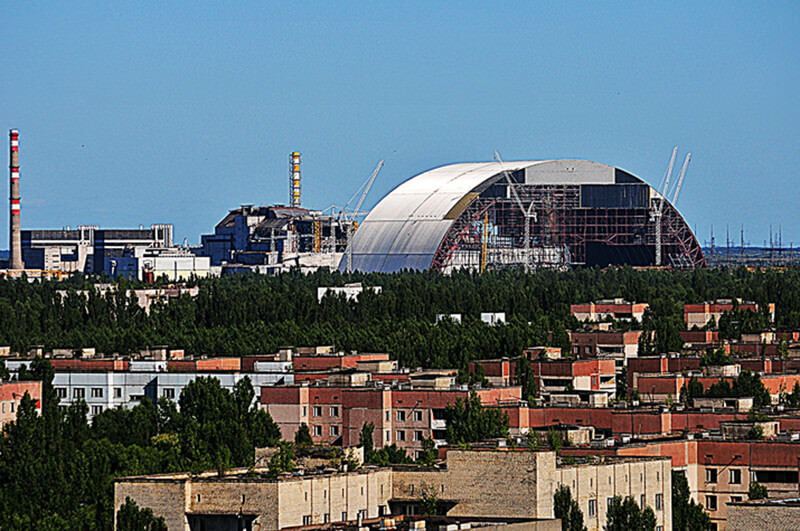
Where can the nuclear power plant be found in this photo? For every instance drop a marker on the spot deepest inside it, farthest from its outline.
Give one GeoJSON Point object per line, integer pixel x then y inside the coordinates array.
{"type": "Point", "coordinates": [476, 216]}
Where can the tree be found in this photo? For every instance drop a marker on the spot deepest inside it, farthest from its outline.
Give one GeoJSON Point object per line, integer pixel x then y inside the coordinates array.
{"type": "Point", "coordinates": [625, 515]}
{"type": "Point", "coordinates": [554, 440]}
{"type": "Point", "coordinates": [686, 514]}
{"type": "Point", "coordinates": [366, 441]}
{"type": "Point", "coordinates": [428, 455]}
{"type": "Point", "coordinates": [283, 460]}
{"type": "Point", "coordinates": [131, 518]}
{"type": "Point", "coordinates": [302, 436]}
{"type": "Point", "coordinates": [757, 491]}
{"type": "Point", "coordinates": [468, 421]}
{"type": "Point", "coordinates": [567, 510]}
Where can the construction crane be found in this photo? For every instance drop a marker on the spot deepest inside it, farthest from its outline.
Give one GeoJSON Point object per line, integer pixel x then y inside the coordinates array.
{"type": "Point", "coordinates": [657, 211]}
{"type": "Point", "coordinates": [353, 224]}
{"type": "Point", "coordinates": [680, 179]}
{"type": "Point", "coordinates": [528, 213]}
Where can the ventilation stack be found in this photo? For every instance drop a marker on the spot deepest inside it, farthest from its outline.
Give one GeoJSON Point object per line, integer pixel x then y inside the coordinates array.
{"type": "Point", "coordinates": [15, 241]}
{"type": "Point", "coordinates": [294, 184]}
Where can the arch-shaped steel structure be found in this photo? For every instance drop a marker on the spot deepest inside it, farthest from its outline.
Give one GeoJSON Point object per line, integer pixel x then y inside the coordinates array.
{"type": "Point", "coordinates": [474, 215]}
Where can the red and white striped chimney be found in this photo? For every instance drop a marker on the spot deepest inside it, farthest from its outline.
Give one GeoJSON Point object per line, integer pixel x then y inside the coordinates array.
{"type": "Point", "coordinates": [15, 242]}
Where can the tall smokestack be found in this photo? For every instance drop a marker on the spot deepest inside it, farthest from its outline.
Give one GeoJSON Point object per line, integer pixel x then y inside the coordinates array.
{"type": "Point", "coordinates": [15, 242]}
{"type": "Point", "coordinates": [294, 185]}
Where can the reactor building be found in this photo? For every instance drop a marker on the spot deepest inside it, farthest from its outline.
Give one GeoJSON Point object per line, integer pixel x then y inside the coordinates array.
{"type": "Point", "coordinates": [546, 213]}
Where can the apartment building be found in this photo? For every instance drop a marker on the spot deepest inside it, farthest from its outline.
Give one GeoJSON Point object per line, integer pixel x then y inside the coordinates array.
{"type": "Point", "coordinates": [403, 416]}
{"type": "Point", "coordinates": [617, 345]}
{"type": "Point", "coordinates": [507, 483]}
{"type": "Point", "coordinates": [11, 394]}
{"type": "Point", "coordinates": [699, 315]}
{"type": "Point", "coordinates": [247, 499]}
{"type": "Point", "coordinates": [609, 308]}
{"type": "Point", "coordinates": [109, 383]}
{"type": "Point", "coordinates": [720, 471]}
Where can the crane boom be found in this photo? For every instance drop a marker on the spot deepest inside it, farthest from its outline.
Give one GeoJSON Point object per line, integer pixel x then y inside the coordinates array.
{"type": "Point", "coordinates": [669, 174]}
{"type": "Point", "coordinates": [350, 226]}
{"type": "Point", "coordinates": [368, 186]}
{"type": "Point", "coordinates": [680, 179]}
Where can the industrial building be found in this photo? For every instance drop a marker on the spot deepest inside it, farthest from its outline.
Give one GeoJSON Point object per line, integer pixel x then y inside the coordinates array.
{"type": "Point", "coordinates": [550, 213]}
{"type": "Point", "coordinates": [270, 239]}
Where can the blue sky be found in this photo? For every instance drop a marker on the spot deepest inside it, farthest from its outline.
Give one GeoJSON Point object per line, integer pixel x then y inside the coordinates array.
{"type": "Point", "coordinates": [148, 112]}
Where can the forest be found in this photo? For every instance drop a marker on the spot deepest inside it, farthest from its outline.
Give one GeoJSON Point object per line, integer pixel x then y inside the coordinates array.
{"type": "Point", "coordinates": [252, 314]}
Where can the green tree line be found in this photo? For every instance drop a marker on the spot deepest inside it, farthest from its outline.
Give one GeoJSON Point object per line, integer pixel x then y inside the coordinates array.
{"type": "Point", "coordinates": [252, 314]}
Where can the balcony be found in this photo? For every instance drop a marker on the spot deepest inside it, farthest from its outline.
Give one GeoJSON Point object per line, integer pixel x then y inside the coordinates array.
{"type": "Point", "coordinates": [438, 424]}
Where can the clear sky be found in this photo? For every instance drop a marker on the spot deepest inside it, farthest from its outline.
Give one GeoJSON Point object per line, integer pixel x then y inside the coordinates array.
{"type": "Point", "coordinates": [146, 112]}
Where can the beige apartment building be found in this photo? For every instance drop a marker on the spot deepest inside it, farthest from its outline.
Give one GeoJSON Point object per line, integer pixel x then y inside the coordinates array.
{"type": "Point", "coordinates": [493, 483]}
{"type": "Point", "coordinates": [242, 500]}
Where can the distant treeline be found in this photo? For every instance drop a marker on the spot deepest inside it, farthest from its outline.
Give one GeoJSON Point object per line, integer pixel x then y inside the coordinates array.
{"type": "Point", "coordinates": [251, 314]}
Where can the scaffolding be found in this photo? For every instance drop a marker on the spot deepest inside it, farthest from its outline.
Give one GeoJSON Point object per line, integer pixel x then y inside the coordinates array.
{"type": "Point", "coordinates": [490, 232]}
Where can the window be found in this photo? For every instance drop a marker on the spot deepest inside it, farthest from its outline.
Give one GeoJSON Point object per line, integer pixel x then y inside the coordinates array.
{"type": "Point", "coordinates": [587, 350]}
{"type": "Point", "coordinates": [307, 519]}
{"type": "Point", "coordinates": [417, 416]}
{"type": "Point", "coordinates": [401, 416]}
{"type": "Point", "coordinates": [711, 503]}
{"type": "Point", "coordinates": [198, 498]}
{"type": "Point", "coordinates": [592, 509]}
{"type": "Point", "coordinates": [96, 410]}
{"type": "Point", "coordinates": [305, 410]}
{"type": "Point", "coordinates": [735, 477]}
{"type": "Point", "coordinates": [642, 501]}
{"type": "Point", "coordinates": [243, 498]}
{"type": "Point", "coordinates": [736, 499]}
{"type": "Point", "coordinates": [334, 431]}
{"type": "Point", "coordinates": [608, 503]}
{"type": "Point", "coordinates": [169, 392]}
{"type": "Point", "coordinates": [711, 475]}
{"type": "Point", "coordinates": [417, 435]}
{"type": "Point", "coordinates": [388, 416]}
{"type": "Point", "coordinates": [317, 411]}
{"type": "Point", "coordinates": [78, 392]}
{"type": "Point", "coordinates": [118, 392]}
{"type": "Point", "coordinates": [335, 411]}
{"type": "Point", "coordinates": [61, 392]}
{"type": "Point", "coordinates": [326, 518]}
{"type": "Point", "coordinates": [401, 435]}
{"type": "Point", "coordinates": [317, 431]}
{"type": "Point", "coordinates": [659, 528]}
{"type": "Point", "coordinates": [12, 407]}
{"type": "Point", "coordinates": [388, 436]}
{"type": "Point", "coordinates": [3, 408]}
{"type": "Point", "coordinates": [659, 502]}
{"type": "Point", "coordinates": [344, 516]}
{"type": "Point", "coordinates": [97, 392]}
{"type": "Point", "coordinates": [417, 454]}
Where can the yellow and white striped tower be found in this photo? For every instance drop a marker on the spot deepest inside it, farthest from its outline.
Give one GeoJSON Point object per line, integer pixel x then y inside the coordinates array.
{"type": "Point", "coordinates": [294, 176]}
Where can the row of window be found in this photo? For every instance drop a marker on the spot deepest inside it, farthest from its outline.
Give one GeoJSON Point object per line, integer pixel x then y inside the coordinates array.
{"type": "Point", "coordinates": [79, 393]}
{"type": "Point", "coordinates": [400, 435]}
{"type": "Point", "coordinates": [734, 476]}
{"type": "Point", "coordinates": [317, 411]}
{"type": "Point", "coordinates": [326, 517]}
{"type": "Point", "coordinates": [592, 509]}
{"type": "Point", "coordinates": [333, 411]}
{"type": "Point", "coordinates": [11, 410]}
